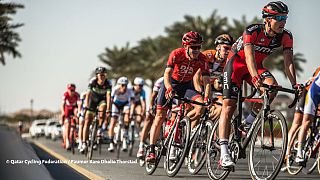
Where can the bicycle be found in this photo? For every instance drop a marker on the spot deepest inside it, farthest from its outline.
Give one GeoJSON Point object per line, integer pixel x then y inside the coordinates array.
{"type": "Point", "coordinates": [179, 142]}
{"type": "Point", "coordinates": [73, 134]}
{"type": "Point", "coordinates": [197, 149]}
{"type": "Point", "coordinates": [311, 150]}
{"type": "Point", "coordinates": [263, 136]}
{"type": "Point", "coordinates": [161, 144]}
{"type": "Point", "coordinates": [93, 135]}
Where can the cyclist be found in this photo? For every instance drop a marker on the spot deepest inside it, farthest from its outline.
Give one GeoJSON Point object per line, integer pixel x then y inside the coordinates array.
{"type": "Point", "coordinates": [122, 98]}
{"type": "Point", "coordinates": [150, 115]}
{"type": "Point", "coordinates": [81, 111]}
{"type": "Point", "coordinates": [298, 115]}
{"type": "Point", "coordinates": [216, 60]}
{"type": "Point", "coordinates": [98, 98]}
{"type": "Point", "coordinates": [245, 63]}
{"type": "Point", "coordinates": [182, 64]}
{"type": "Point", "coordinates": [310, 108]}
{"type": "Point", "coordinates": [139, 103]}
{"type": "Point", "coordinates": [20, 127]}
{"type": "Point", "coordinates": [68, 111]}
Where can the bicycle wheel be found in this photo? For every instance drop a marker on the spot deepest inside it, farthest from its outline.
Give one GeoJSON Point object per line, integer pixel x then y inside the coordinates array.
{"type": "Point", "coordinates": [293, 167]}
{"type": "Point", "coordinates": [197, 151]}
{"type": "Point", "coordinates": [151, 167]}
{"type": "Point", "coordinates": [92, 140]}
{"type": "Point", "coordinates": [72, 140]}
{"type": "Point", "coordinates": [319, 162]}
{"type": "Point", "coordinates": [178, 145]}
{"type": "Point", "coordinates": [311, 154]}
{"type": "Point", "coordinates": [214, 169]}
{"type": "Point", "coordinates": [265, 157]}
{"type": "Point", "coordinates": [118, 145]}
{"type": "Point", "coordinates": [131, 140]}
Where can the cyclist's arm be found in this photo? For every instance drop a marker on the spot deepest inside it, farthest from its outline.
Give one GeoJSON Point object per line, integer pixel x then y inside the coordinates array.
{"type": "Point", "coordinates": [166, 77]}
{"type": "Point", "coordinates": [206, 84]}
{"type": "Point", "coordinates": [196, 81]}
{"type": "Point", "coordinates": [250, 59]}
{"type": "Point", "coordinates": [108, 101]}
{"type": "Point", "coordinates": [289, 66]}
{"type": "Point", "coordinates": [86, 102]}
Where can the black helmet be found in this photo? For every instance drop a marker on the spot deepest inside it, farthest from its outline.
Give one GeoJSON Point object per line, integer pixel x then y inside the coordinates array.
{"type": "Point", "coordinates": [101, 70]}
{"type": "Point", "coordinates": [224, 39]}
{"type": "Point", "coordinates": [274, 8]}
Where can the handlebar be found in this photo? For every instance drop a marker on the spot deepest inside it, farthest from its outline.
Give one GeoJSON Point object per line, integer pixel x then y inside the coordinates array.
{"type": "Point", "coordinates": [279, 88]}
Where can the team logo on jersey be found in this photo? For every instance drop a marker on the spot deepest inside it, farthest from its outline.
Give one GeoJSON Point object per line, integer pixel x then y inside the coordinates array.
{"type": "Point", "coordinates": [262, 40]}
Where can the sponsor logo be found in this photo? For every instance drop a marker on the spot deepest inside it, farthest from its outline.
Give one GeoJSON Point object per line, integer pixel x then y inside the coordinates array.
{"type": "Point", "coordinates": [253, 28]}
{"type": "Point", "coordinates": [263, 49]}
{"type": "Point", "coordinates": [225, 80]}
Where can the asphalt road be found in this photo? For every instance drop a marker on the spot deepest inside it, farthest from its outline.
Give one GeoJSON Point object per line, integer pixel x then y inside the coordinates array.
{"type": "Point", "coordinates": [106, 166]}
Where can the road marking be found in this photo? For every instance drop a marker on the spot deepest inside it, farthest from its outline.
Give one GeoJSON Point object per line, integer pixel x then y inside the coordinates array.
{"type": "Point", "coordinates": [78, 168]}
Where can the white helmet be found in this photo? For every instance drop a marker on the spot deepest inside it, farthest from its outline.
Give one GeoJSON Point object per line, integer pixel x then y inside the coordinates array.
{"type": "Point", "coordinates": [123, 80]}
{"type": "Point", "coordinates": [138, 81]}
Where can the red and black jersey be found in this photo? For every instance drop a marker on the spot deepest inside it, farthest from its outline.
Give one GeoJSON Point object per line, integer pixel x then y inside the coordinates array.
{"type": "Point", "coordinates": [263, 45]}
{"type": "Point", "coordinates": [70, 101]}
{"type": "Point", "coordinates": [184, 68]}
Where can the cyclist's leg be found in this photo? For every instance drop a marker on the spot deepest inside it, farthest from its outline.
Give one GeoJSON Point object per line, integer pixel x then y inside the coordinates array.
{"type": "Point", "coordinates": [138, 114]}
{"type": "Point", "coordinates": [312, 100]}
{"type": "Point", "coordinates": [80, 131]}
{"type": "Point", "coordinates": [113, 121]}
{"type": "Point", "coordinates": [144, 132]}
{"type": "Point", "coordinates": [88, 119]}
{"type": "Point", "coordinates": [157, 123]}
{"type": "Point", "coordinates": [297, 120]}
{"type": "Point", "coordinates": [231, 85]}
{"type": "Point", "coordinates": [267, 78]}
{"type": "Point", "coordinates": [102, 109]}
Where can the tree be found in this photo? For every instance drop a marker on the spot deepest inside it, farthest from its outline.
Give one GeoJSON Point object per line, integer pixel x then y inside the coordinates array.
{"type": "Point", "coordinates": [9, 39]}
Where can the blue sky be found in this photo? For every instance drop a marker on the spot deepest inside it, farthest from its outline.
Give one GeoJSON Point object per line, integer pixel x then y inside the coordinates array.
{"type": "Point", "coordinates": [62, 39]}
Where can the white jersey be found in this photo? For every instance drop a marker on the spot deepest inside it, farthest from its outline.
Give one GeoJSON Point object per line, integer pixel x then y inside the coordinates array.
{"type": "Point", "coordinates": [121, 98]}
{"type": "Point", "coordinates": [157, 84]}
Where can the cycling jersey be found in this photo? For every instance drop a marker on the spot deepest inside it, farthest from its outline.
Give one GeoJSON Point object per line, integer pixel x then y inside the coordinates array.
{"type": "Point", "coordinates": [313, 97]}
{"type": "Point", "coordinates": [70, 104]}
{"type": "Point", "coordinates": [120, 100]}
{"type": "Point", "coordinates": [70, 101]}
{"type": "Point", "coordinates": [98, 93]}
{"type": "Point", "coordinates": [139, 96]}
{"type": "Point", "coordinates": [215, 66]}
{"type": "Point", "coordinates": [236, 68]}
{"type": "Point", "coordinates": [310, 80]}
{"type": "Point", "coordinates": [183, 68]}
{"type": "Point", "coordinates": [157, 84]}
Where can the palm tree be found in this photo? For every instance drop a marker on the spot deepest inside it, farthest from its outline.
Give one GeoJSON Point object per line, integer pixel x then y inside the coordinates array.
{"type": "Point", "coordinates": [9, 39]}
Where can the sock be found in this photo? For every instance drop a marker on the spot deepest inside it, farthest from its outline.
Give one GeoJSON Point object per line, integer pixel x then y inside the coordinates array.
{"type": "Point", "coordinates": [152, 147]}
{"type": "Point", "coordinates": [251, 117]}
{"type": "Point", "coordinates": [224, 147]}
{"type": "Point", "coordinates": [299, 152]}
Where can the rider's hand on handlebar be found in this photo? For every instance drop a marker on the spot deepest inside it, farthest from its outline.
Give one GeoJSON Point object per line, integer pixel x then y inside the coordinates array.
{"type": "Point", "coordinates": [169, 93]}
{"type": "Point", "coordinates": [298, 87]}
{"type": "Point", "coordinates": [207, 101]}
{"type": "Point", "coordinates": [256, 81]}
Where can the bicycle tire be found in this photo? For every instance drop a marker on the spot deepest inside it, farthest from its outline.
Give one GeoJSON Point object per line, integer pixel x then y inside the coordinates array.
{"type": "Point", "coordinates": [214, 171]}
{"type": "Point", "coordinates": [172, 170]}
{"type": "Point", "coordinates": [131, 140]}
{"type": "Point", "coordinates": [72, 140]}
{"type": "Point", "coordinates": [92, 140]}
{"type": "Point", "coordinates": [311, 162]}
{"type": "Point", "coordinates": [319, 163]}
{"type": "Point", "coordinates": [292, 167]}
{"type": "Point", "coordinates": [193, 167]}
{"type": "Point", "coordinates": [274, 115]}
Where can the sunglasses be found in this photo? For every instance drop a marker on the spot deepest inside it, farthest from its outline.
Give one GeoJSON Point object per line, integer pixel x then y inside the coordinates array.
{"type": "Point", "coordinates": [195, 47]}
{"type": "Point", "coordinates": [227, 48]}
{"type": "Point", "coordinates": [280, 18]}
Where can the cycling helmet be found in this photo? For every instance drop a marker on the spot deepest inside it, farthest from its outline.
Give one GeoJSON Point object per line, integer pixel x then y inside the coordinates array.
{"type": "Point", "coordinates": [192, 38]}
{"type": "Point", "coordinates": [71, 86]}
{"type": "Point", "coordinates": [101, 70]}
{"type": "Point", "coordinates": [274, 8]}
{"type": "Point", "coordinates": [224, 39]}
{"type": "Point", "coordinates": [138, 81]}
{"type": "Point", "coordinates": [123, 80]}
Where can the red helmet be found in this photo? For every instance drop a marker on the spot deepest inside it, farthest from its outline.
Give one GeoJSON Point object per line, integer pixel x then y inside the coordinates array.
{"type": "Point", "coordinates": [71, 86]}
{"type": "Point", "coordinates": [274, 8]}
{"type": "Point", "coordinates": [192, 38]}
